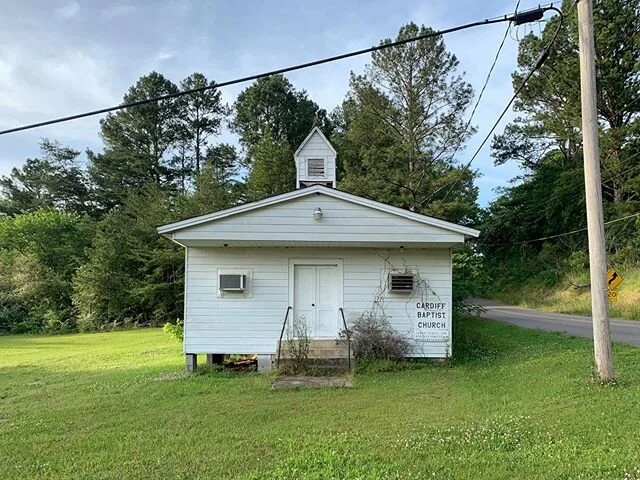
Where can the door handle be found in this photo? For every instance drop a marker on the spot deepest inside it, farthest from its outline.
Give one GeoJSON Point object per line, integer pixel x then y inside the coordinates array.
{"type": "Point", "coordinates": [313, 304]}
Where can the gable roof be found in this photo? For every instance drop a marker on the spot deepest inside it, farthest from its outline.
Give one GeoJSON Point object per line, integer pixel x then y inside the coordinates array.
{"type": "Point", "coordinates": [313, 131]}
{"type": "Point", "coordinates": [212, 217]}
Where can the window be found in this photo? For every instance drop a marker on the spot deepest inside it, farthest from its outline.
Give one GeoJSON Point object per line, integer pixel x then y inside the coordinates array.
{"type": "Point", "coordinates": [315, 168]}
{"type": "Point", "coordinates": [400, 283]}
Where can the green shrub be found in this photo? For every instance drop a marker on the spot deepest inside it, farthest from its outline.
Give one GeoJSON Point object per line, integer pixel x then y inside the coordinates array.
{"type": "Point", "coordinates": [174, 330]}
{"type": "Point", "coordinates": [15, 318]}
{"type": "Point", "coordinates": [373, 337]}
{"type": "Point", "coordinates": [298, 344]}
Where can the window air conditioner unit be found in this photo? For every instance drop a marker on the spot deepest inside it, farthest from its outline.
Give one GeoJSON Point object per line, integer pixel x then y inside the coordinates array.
{"type": "Point", "coordinates": [400, 283]}
{"type": "Point", "coordinates": [232, 282]}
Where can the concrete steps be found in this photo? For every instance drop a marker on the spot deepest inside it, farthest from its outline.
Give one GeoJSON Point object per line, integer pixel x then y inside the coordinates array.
{"type": "Point", "coordinates": [331, 354]}
{"type": "Point", "coordinates": [320, 348]}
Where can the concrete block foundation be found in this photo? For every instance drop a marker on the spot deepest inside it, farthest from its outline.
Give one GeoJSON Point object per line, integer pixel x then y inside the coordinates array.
{"type": "Point", "coordinates": [191, 360]}
{"type": "Point", "coordinates": [265, 363]}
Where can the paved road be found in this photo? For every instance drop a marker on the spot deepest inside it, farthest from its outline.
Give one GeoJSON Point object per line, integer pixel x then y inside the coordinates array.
{"type": "Point", "coordinates": [624, 331]}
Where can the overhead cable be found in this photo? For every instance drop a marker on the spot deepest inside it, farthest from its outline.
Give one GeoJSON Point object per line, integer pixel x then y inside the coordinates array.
{"type": "Point", "coordinates": [515, 17]}
{"type": "Point", "coordinates": [482, 90]}
{"type": "Point", "coordinates": [523, 242]}
{"type": "Point", "coordinates": [540, 61]}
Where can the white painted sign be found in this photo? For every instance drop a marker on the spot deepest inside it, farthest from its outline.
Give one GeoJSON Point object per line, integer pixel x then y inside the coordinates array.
{"type": "Point", "coordinates": [432, 322]}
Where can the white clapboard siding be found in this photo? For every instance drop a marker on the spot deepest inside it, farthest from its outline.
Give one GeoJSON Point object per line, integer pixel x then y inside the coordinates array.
{"type": "Point", "coordinates": [292, 221]}
{"type": "Point", "coordinates": [251, 324]}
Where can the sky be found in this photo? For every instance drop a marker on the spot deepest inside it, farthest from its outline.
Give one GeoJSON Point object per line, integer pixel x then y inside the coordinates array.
{"type": "Point", "coordinates": [59, 58]}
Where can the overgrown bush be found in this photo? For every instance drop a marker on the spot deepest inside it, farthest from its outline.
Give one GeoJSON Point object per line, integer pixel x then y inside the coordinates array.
{"type": "Point", "coordinates": [296, 357]}
{"type": "Point", "coordinates": [174, 330]}
{"type": "Point", "coordinates": [14, 317]}
{"type": "Point", "coordinates": [469, 279]}
{"type": "Point", "coordinates": [132, 275]}
{"type": "Point", "coordinates": [373, 337]}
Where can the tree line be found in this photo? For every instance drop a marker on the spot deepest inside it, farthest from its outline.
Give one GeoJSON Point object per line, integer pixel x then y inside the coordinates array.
{"type": "Point", "coordinates": [545, 141]}
{"type": "Point", "coordinates": [78, 245]}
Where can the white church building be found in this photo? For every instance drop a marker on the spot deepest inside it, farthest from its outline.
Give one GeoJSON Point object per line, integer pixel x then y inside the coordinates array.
{"type": "Point", "coordinates": [315, 255]}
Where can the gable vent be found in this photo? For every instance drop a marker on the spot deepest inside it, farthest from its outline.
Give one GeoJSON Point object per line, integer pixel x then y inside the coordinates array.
{"type": "Point", "coordinates": [400, 283]}
{"type": "Point", "coordinates": [315, 168]}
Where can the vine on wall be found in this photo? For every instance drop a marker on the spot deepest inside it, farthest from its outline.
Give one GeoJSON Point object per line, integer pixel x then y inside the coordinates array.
{"type": "Point", "coordinates": [373, 325]}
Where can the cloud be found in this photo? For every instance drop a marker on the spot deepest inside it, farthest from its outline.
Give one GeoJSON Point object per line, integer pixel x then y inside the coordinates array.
{"type": "Point", "coordinates": [51, 69]}
{"type": "Point", "coordinates": [163, 56]}
{"type": "Point", "coordinates": [36, 86]}
{"type": "Point", "coordinates": [119, 10]}
{"type": "Point", "coordinates": [69, 10]}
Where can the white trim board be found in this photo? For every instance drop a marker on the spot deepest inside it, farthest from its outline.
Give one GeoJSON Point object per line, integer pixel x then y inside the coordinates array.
{"type": "Point", "coordinates": [319, 190]}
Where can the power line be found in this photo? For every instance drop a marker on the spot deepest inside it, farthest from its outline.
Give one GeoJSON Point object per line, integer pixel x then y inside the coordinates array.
{"type": "Point", "coordinates": [630, 103]}
{"type": "Point", "coordinates": [518, 19]}
{"type": "Point", "coordinates": [626, 171]}
{"type": "Point", "coordinates": [540, 61]}
{"type": "Point", "coordinates": [603, 182]}
{"type": "Point", "coordinates": [484, 87]}
{"type": "Point", "coordinates": [523, 242]}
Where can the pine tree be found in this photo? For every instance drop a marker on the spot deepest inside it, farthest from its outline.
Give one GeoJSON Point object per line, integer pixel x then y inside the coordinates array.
{"type": "Point", "coordinates": [138, 142]}
{"type": "Point", "coordinates": [273, 169]}
{"type": "Point", "coordinates": [400, 126]}
{"type": "Point", "coordinates": [201, 116]}
{"type": "Point", "coordinates": [216, 186]}
{"type": "Point", "coordinates": [55, 180]}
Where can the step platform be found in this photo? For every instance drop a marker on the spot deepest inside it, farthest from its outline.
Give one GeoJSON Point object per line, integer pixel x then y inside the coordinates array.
{"type": "Point", "coordinates": [330, 354]}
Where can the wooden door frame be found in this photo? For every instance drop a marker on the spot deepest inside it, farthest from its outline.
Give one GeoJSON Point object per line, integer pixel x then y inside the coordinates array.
{"type": "Point", "coordinates": [315, 262]}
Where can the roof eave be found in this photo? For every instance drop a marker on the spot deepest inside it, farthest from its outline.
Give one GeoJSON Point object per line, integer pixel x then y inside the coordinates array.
{"type": "Point", "coordinates": [173, 227]}
{"type": "Point", "coordinates": [190, 222]}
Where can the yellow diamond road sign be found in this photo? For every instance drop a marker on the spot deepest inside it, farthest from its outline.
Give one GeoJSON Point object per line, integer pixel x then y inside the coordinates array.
{"type": "Point", "coordinates": [613, 279]}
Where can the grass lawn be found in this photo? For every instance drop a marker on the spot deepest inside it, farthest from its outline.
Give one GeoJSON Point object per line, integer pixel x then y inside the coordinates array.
{"type": "Point", "coordinates": [118, 406]}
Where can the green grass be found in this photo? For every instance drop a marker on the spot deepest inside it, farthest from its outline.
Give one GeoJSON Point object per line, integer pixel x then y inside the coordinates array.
{"type": "Point", "coordinates": [118, 406]}
{"type": "Point", "coordinates": [565, 298]}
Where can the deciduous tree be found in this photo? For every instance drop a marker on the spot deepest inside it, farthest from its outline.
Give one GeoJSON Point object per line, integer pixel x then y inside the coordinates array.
{"type": "Point", "coordinates": [273, 170]}
{"type": "Point", "coordinates": [273, 105]}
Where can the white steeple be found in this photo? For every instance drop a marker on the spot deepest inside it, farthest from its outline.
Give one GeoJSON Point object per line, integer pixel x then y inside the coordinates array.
{"type": "Point", "coordinates": [316, 161]}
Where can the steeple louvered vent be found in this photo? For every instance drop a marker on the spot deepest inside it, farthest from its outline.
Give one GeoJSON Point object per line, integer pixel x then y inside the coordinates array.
{"type": "Point", "coordinates": [315, 168]}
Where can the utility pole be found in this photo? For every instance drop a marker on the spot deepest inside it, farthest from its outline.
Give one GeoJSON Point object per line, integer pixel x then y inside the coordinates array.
{"type": "Point", "coordinates": [595, 220]}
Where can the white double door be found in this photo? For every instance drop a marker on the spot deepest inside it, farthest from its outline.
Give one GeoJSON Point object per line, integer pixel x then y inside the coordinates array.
{"type": "Point", "coordinates": [315, 302]}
